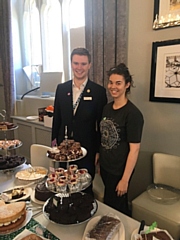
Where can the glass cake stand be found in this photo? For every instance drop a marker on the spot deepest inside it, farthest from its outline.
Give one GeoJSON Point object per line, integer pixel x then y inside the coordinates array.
{"type": "Point", "coordinates": [163, 194]}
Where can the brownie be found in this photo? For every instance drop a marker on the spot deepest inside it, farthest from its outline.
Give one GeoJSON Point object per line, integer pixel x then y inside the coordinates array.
{"type": "Point", "coordinates": [104, 228]}
{"type": "Point", "coordinates": [69, 210]}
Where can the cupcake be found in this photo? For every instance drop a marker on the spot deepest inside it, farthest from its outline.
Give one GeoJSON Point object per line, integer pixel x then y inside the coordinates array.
{"type": "Point", "coordinates": [59, 171]}
{"type": "Point", "coordinates": [74, 185]}
{"type": "Point", "coordinates": [61, 186]}
{"type": "Point", "coordinates": [72, 169]}
{"type": "Point", "coordinates": [82, 173]}
{"type": "Point", "coordinates": [51, 183]}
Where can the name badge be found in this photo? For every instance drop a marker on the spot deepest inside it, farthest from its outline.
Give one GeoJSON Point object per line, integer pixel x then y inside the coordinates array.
{"type": "Point", "coordinates": [87, 98]}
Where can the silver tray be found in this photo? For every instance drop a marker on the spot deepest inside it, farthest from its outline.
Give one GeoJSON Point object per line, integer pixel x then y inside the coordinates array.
{"type": "Point", "coordinates": [72, 160]}
{"type": "Point", "coordinates": [93, 211]}
{"type": "Point", "coordinates": [23, 224]}
{"type": "Point", "coordinates": [82, 185]}
{"type": "Point", "coordinates": [12, 148]}
{"type": "Point", "coordinates": [10, 129]}
{"type": "Point", "coordinates": [12, 169]}
{"type": "Point", "coordinates": [163, 194]}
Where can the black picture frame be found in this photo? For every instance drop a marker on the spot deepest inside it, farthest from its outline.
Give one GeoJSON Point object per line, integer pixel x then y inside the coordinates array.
{"type": "Point", "coordinates": [166, 14]}
{"type": "Point", "coordinates": [165, 72]}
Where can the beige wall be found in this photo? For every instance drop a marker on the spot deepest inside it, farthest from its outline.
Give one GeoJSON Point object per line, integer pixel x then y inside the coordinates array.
{"type": "Point", "coordinates": [162, 120]}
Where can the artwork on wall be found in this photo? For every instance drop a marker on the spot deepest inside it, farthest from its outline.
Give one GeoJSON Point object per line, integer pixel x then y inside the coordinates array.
{"type": "Point", "coordinates": [165, 71]}
{"type": "Point", "coordinates": [166, 14]}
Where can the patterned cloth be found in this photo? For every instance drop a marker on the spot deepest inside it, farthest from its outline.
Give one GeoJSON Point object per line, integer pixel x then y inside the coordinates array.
{"type": "Point", "coordinates": [32, 225]}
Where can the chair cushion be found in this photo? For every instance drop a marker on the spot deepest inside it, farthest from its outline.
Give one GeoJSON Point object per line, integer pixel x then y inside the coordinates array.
{"type": "Point", "coordinates": [167, 216]}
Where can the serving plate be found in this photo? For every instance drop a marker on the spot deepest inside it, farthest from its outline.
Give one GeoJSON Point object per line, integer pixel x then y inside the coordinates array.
{"type": "Point", "coordinates": [81, 186]}
{"type": "Point", "coordinates": [93, 211]}
{"type": "Point", "coordinates": [32, 118]}
{"type": "Point", "coordinates": [25, 233]}
{"type": "Point", "coordinates": [163, 194]}
{"type": "Point", "coordinates": [9, 129]}
{"type": "Point", "coordinates": [29, 174]}
{"type": "Point", "coordinates": [120, 235]}
{"type": "Point", "coordinates": [11, 147]}
{"type": "Point", "coordinates": [4, 170]}
{"type": "Point", "coordinates": [135, 235]}
{"type": "Point", "coordinates": [23, 224]}
{"type": "Point", "coordinates": [27, 193]}
{"type": "Point", "coordinates": [84, 151]}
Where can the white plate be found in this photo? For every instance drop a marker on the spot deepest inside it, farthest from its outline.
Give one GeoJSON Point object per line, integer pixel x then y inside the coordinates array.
{"type": "Point", "coordinates": [30, 175]}
{"type": "Point", "coordinates": [23, 224]}
{"type": "Point", "coordinates": [24, 233]}
{"type": "Point", "coordinates": [27, 192]}
{"type": "Point", "coordinates": [146, 228]}
{"type": "Point", "coordinates": [36, 200]}
{"type": "Point", "coordinates": [32, 118]}
{"type": "Point", "coordinates": [120, 235]}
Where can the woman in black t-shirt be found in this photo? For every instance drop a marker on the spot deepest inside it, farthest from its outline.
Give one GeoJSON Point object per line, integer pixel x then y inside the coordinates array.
{"type": "Point", "coordinates": [121, 130]}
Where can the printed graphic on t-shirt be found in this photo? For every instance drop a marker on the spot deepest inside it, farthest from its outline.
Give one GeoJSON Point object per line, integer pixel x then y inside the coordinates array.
{"type": "Point", "coordinates": [109, 133]}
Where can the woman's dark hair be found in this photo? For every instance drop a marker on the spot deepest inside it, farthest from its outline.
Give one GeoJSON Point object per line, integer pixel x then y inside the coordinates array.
{"type": "Point", "coordinates": [122, 70]}
{"type": "Point", "coordinates": [81, 52]}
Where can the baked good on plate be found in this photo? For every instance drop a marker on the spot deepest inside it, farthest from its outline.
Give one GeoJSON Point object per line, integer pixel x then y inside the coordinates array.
{"type": "Point", "coordinates": [67, 150]}
{"type": "Point", "coordinates": [11, 215]}
{"type": "Point", "coordinates": [31, 237]}
{"type": "Point", "coordinates": [70, 209]}
{"type": "Point", "coordinates": [42, 193]}
{"type": "Point", "coordinates": [105, 229]}
{"type": "Point", "coordinates": [159, 234]}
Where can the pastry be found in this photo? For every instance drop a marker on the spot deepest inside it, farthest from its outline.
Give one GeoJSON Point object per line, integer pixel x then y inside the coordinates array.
{"type": "Point", "coordinates": [31, 236]}
{"type": "Point", "coordinates": [12, 215]}
{"type": "Point", "coordinates": [105, 228]}
{"type": "Point", "coordinates": [66, 151]}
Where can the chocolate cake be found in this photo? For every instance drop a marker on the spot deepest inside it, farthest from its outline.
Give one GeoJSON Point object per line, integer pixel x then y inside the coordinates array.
{"type": "Point", "coordinates": [8, 162]}
{"type": "Point", "coordinates": [42, 193]}
{"type": "Point", "coordinates": [70, 209]}
{"type": "Point", "coordinates": [106, 226]}
{"type": "Point", "coordinates": [162, 235]}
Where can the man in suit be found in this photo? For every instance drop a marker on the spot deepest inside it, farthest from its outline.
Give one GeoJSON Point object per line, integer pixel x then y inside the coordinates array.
{"type": "Point", "coordinates": [78, 105]}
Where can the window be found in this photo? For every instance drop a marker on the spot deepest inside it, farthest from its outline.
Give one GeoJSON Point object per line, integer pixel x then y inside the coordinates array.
{"type": "Point", "coordinates": [45, 38]}
{"type": "Point", "coordinates": [77, 20]}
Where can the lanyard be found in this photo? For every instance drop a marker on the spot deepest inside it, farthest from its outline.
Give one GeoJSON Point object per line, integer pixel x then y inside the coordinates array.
{"type": "Point", "coordinates": [78, 100]}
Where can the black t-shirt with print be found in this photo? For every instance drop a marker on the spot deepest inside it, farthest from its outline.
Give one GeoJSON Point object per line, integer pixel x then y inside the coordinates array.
{"type": "Point", "coordinates": [119, 128]}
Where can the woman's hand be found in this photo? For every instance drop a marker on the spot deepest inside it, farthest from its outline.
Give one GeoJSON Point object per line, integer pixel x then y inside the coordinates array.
{"type": "Point", "coordinates": [122, 187]}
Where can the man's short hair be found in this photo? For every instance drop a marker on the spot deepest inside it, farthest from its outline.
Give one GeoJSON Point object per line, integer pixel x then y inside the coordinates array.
{"type": "Point", "coordinates": [81, 52]}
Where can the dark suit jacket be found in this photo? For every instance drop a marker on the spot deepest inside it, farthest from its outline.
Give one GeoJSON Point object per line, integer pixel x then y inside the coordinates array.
{"type": "Point", "coordinates": [84, 125]}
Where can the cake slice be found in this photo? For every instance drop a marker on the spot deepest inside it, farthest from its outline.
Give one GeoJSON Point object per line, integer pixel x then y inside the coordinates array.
{"type": "Point", "coordinates": [12, 215]}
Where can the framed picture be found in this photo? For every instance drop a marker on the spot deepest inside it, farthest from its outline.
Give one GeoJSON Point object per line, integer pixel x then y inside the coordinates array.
{"type": "Point", "coordinates": [166, 14]}
{"type": "Point", "coordinates": [165, 72]}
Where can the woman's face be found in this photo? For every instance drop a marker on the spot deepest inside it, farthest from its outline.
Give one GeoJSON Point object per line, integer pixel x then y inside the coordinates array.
{"type": "Point", "coordinates": [117, 86]}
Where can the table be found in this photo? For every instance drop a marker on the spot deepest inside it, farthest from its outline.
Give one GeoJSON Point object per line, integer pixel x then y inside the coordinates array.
{"type": "Point", "coordinates": [74, 232]}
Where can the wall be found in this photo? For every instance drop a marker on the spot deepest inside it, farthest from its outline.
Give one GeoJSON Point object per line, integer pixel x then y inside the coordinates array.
{"type": "Point", "coordinates": [162, 120]}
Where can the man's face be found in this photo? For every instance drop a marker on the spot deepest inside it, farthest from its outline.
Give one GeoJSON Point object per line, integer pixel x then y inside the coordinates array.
{"type": "Point", "coordinates": [80, 67]}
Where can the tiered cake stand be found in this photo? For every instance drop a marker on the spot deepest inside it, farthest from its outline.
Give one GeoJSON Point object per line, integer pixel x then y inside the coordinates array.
{"type": "Point", "coordinates": [5, 149]}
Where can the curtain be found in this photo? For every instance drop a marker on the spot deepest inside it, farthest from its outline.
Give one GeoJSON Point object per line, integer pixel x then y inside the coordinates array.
{"type": "Point", "coordinates": [106, 31]}
{"type": "Point", "coordinates": [6, 57]}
